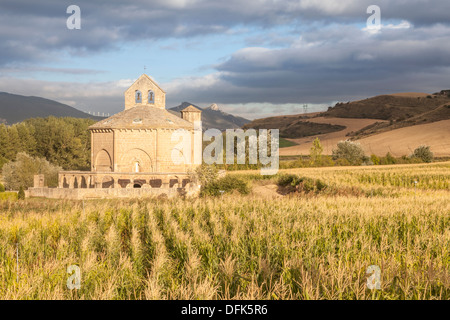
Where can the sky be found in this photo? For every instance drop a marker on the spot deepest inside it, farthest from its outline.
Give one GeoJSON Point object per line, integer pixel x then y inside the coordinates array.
{"type": "Point", "coordinates": [254, 58]}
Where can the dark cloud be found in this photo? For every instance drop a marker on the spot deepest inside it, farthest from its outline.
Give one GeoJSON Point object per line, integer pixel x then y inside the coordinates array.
{"type": "Point", "coordinates": [337, 63]}
{"type": "Point", "coordinates": [31, 30]}
{"type": "Point", "coordinates": [323, 57]}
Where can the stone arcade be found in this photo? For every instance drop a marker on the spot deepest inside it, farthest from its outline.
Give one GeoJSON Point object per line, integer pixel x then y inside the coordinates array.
{"type": "Point", "coordinates": [131, 151]}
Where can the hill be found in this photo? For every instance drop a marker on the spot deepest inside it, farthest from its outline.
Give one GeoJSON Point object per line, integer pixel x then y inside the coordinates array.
{"type": "Point", "coordinates": [400, 110]}
{"type": "Point", "coordinates": [213, 117]}
{"type": "Point", "coordinates": [396, 123]}
{"type": "Point", "coordinates": [396, 107]}
{"type": "Point", "coordinates": [15, 108]}
{"type": "Point", "coordinates": [294, 126]}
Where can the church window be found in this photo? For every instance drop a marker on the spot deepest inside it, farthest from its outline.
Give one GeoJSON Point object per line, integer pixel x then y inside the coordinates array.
{"type": "Point", "coordinates": [151, 96]}
{"type": "Point", "coordinates": [138, 96]}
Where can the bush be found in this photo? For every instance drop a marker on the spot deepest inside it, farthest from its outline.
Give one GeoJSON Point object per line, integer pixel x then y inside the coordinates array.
{"type": "Point", "coordinates": [20, 173]}
{"type": "Point", "coordinates": [3, 161]}
{"type": "Point", "coordinates": [21, 194]}
{"type": "Point", "coordinates": [424, 153]}
{"type": "Point", "coordinates": [293, 183]}
{"type": "Point", "coordinates": [288, 180]}
{"type": "Point", "coordinates": [205, 174]}
{"type": "Point", "coordinates": [375, 159]}
{"type": "Point", "coordinates": [2, 188]}
{"type": "Point", "coordinates": [388, 159]}
{"type": "Point", "coordinates": [12, 196]}
{"type": "Point", "coordinates": [226, 184]}
{"type": "Point", "coordinates": [350, 151]}
{"type": "Point", "coordinates": [343, 162]}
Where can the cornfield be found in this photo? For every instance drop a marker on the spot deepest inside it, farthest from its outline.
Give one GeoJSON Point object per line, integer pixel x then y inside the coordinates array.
{"type": "Point", "coordinates": [238, 246]}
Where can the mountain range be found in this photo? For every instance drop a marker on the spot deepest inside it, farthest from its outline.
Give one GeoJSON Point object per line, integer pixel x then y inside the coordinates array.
{"type": "Point", "coordinates": [213, 117]}
{"type": "Point", "coordinates": [16, 108]}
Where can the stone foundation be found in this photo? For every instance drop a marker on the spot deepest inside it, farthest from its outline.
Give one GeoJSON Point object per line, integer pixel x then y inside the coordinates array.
{"type": "Point", "coordinates": [106, 185]}
{"type": "Point", "coordinates": [109, 193]}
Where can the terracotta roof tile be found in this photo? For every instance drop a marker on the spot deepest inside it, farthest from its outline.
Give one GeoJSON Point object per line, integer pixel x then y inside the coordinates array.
{"type": "Point", "coordinates": [143, 116]}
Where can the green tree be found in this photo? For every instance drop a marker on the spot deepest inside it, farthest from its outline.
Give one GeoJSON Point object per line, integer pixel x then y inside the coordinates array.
{"type": "Point", "coordinates": [21, 194]}
{"type": "Point", "coordinates": [424, 153]}
{"type": "Point", "coordinates": [375, 159]}
{"type": "Point", "coordinates": [350, 151]}
{"type": "Point", "coordinates": [20, 173]}
{"type": "Point", "coordinates": [2, 188]}
{"type": "Point", "coordinates": [205, 174]}
{"type": "Point", "coordinates": [316, 152]}
{"type": "Point", "coordinates": [63, 141]}
{"type": "Point", "coordinates": [388, 159]}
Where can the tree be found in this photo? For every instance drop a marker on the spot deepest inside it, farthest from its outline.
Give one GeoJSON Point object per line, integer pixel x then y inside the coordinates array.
{"type": "Point", "coordinates": [20, 173]}
{"type": "Point", "coordinates": [350, 151]}
{"type": "Point", "coordinates": [205, 174]}
{"type": "Point", "coordinates": [21, 194]}
{"type": "Point", "coordinates": [375, 159]}
{"type": "Point", "coordinates": [424, 153]}
{"type": "Point", "coordinates": [2, 188]}
{"type": "Point", "coordinates": [388, 159]}
{"type": "Point", "coordinates": [316, 151]}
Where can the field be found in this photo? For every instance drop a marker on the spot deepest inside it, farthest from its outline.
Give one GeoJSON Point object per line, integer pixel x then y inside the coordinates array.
{"type": "Point", "coordinates": [263, 245]}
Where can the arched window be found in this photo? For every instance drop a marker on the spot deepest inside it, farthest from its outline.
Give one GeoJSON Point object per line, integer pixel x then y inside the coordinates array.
{"type": "Point", "coordinates": [136, 167]}
{"type": "Point", "coordinates": [151, 96]}
{"type": "Point", "coordinates": [138, 96]}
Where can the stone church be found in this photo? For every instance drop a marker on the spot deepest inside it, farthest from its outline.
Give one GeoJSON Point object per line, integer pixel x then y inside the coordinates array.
{"type": "Point", "coordinates": [133, 149]}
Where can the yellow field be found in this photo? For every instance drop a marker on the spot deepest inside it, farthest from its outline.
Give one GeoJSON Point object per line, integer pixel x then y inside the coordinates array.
{"type": "Point", "coordinates": [300, 246]}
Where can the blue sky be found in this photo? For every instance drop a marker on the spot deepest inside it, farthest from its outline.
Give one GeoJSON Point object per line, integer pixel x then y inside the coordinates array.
{"type": "Point", "coordinates": [254, 59]}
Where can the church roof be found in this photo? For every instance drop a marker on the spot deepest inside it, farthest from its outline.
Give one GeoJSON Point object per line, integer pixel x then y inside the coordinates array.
{"type": "Point", "coordinates": [149, 78]}
{"type": "Point", "coordinates": [143, 117]}
{"type": "Point", "coordinates": [191, 108]}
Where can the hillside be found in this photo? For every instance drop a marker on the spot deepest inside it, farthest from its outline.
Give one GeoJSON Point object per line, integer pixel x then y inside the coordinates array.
{"type": "Point", "coordinates": [295, 126]}
{"type": "Point", "coordinates": [400, 110]}
{"type": "Point", "coordinates": [396, 123]}
{"type": "Point", "coordinates": [213, 117]}
{"type": "Point", "coordinates": [397, 107]}
{"type": "Point", "coordinates": [16, 108]}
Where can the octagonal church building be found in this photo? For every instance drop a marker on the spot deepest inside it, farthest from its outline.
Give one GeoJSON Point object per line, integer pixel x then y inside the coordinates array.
{"type": "Point", "coordinates": [132, 151]}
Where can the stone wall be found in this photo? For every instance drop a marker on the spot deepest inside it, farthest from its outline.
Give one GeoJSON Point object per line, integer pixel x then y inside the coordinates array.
{"type": "Point", "coordinates": [110, 193]}
{"type": "Point", "coordinates": [102, 149]}
{"type": "Point", "coordinates": [143, 84]}
{"type": "Point", "coordinates": [135, 146]}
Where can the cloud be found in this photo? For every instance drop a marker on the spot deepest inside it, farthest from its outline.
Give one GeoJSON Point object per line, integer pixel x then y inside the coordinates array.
{"type": "Point", "coordinates": [336, 63]}
{"type": "Point", "coordinates": [42, 33]}
{"type": "Point", "coordinates": [304, 51]}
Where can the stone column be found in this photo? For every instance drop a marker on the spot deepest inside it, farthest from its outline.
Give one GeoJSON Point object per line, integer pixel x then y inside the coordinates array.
{"type": "Point", "coordinates": [71, 182]}
{"type": "Point", "coordinates": [98, 182]}
{"type": "Point", "coordinates": [165, 182]}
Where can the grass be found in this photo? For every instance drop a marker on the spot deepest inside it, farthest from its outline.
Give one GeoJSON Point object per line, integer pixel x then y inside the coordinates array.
{"type": "Point", "coordinates": [286, 143]}
{"type": "Point", "coordinates": [8, 196]}
{"type": "Point", "coordinates": [301, 246]}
